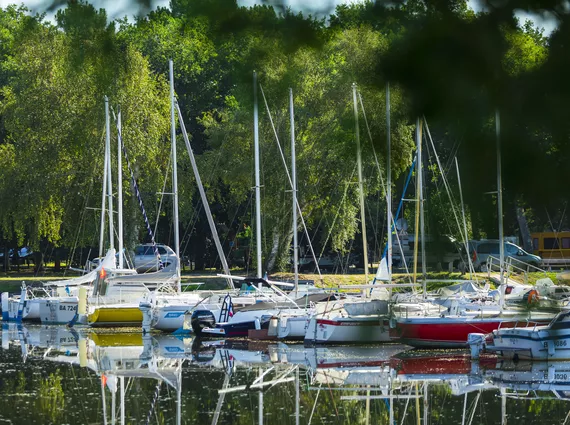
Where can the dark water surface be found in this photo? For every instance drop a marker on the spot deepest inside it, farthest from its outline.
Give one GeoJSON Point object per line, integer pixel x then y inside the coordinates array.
{"type": "Point", "coordinates": [52, 375]}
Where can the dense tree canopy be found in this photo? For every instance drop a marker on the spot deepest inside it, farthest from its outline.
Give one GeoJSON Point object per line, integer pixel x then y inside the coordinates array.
{"type": "Point", "coordinates": [444, 61]}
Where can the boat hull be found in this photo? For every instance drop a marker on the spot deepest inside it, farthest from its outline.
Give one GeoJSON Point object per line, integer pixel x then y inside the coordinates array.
{"type": "Point", "coordinates": [448, 332]}
{"type": "Point", "coordinates": [347, 330]}
{"type": "Point", "coordinates": [531, 344]}
{"type": "Point", "coordinates": [116, 316]}
{"type": "Point", "coordinates": [57, 310]}
{"type": "Point", "coordinates": [31, 310]}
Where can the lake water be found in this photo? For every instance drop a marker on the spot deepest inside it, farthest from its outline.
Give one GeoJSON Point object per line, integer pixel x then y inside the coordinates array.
{"type": "Point", "coordinates": [54, 375]}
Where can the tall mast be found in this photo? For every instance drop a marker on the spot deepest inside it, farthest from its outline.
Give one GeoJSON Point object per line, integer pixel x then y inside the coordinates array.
{"type": "Point", "coordinates": [257, 183]}
{"type": "Point", "coordinates": [500, 206]}
{"type": "Point", "coordinates": [419, 204]}
{"type": "Point", "coordinates": [294, 181]}
{"type": "Point", "coordinates": [204, 198]}
{"type": "Point", "coordinates": [109, 177]}
{"type": "Point", "coordinates": [120, 189]}
{"type": "Point", "coordinates": [104, 196]}
{"type": "Point", "coordinates": [174, 172]}
{"type": "Point", "coordinates": [421, 201]}
{"type": "Point", "coordinates": [466, 235]}
{"type": "Point", "coordinates": [360, 185]}
{"type": "Point", "coordinates": [388, 183]}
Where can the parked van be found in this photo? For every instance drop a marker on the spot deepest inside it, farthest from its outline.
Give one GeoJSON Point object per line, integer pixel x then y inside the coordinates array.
{"type": "Point", "coordinates": [481, 250]}
{"type": "Point", "coordinates": [444, 254]}
{"type": "Point", "coordinates": [145, 259]}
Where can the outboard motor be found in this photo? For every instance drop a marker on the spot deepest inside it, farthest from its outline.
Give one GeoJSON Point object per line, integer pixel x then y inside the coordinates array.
{"type": "Point", "coordinates": [202, 319]}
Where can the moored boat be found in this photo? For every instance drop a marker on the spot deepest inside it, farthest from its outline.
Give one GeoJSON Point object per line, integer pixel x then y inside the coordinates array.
{"type": "Point", "coordinates": [452, 331]}
{"type": "Point", "coordinates": [527, 340]}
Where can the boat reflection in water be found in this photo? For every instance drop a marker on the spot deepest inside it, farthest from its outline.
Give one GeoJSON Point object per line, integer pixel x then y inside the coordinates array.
{"type": "Point", "coordinates": [163, 379]}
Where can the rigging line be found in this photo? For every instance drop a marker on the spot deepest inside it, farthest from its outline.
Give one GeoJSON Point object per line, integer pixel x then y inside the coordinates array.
{"type": "Point", "coordinates": [438, 195]}
{"type": "Point", "coordinates": [374, 228]}
{"type": "Point", "coordinates": [84, 212]}
{"type": "Point", "coordinates": [406, 408]}
{"type": "Point", "coordinates": [474, 407]}
{"type": "Point", "coordinates": [445, 214]}
{"type": "Point", "coordinates": [135, 187]}
{"type": "Point", "coordinates": [290, 180]}
{"type": "Point", "coordinates": [562, 217]}
{"type": "Point", "coordinates": [372, 144]}
{"type": "Point", "coordinates": [331, 228]}
{"type": "Point", "coordinates": [382, 182]}
{"type": "Point", "coordinates": [162, 193]}
{"type": "Point", "coordinates": [566, 419]}
{"type": "Point", "coordinates": [315, 404]}
{"type": "Point", "coordinates": [446, 185]}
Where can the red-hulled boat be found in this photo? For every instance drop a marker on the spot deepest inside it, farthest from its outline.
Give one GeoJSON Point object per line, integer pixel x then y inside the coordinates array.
{"type": "Point", "coordinates": [453, 331]}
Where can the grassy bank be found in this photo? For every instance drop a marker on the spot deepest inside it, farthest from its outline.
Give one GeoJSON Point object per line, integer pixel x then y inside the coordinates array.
{"type": "Point", "coordinates": [12, 281]}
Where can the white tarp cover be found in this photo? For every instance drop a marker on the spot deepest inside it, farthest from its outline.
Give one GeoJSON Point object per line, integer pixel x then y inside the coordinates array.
{"type": "Point", "coordinates": [467, 287]}
{"type": "Point", "coordinates": [165, 275]}
{"type": "Point", "coordinates": [108, 263]}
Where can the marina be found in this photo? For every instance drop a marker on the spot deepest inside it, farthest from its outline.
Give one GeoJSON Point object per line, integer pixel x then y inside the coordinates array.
{"type": "Point", "coordinates": [267, 212]}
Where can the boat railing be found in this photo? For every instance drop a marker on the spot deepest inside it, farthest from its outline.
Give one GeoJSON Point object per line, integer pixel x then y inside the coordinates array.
{"type": "Point", "coordinates": [527, 324]}
{"type": "Point", "coordinates": [512, 265]}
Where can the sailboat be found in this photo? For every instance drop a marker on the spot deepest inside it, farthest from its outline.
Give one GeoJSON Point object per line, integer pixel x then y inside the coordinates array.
{"type": "Point", "coordinates": [452, 328]}
{"type": "Point", "coordinates": [117, 291]}
{"type": "Point", "coordinates": [363, 320]}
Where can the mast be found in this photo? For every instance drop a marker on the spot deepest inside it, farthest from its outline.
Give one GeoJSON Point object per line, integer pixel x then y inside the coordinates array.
{"type": "Point", "coordinates": [466, 236]}
{"type": "Point", "coordinates": [103, 199]}
{"type": "Point", "coordinates": [419, 207]}
{"type": "Point", "coordinates": [297, 397]}
{"type": "Point", "coordinates": [294, 181]}
{"type": "Point", "coordinates": [421, 201]}
{"type": "Point", "coordinates": [257, 184]}
{"type": "Point", "coordinates": [360, 185]}
{"type": "Point", "coordinates": [500, 207]}
{"type": "Point", "coordinates": [174, 172]}
{"type": "Point", "coordinates": [122, 382]}
{"type": "Point", "coordinates": [204, 198]}
{"type": "Point", "coordinates": [120, 189]}
{"type": "Point", "coordinates": [109, 177]}
{"type": "Point", "coordinates": [388, 183]}
{"type": "Point", "coordinates": [260, 398]}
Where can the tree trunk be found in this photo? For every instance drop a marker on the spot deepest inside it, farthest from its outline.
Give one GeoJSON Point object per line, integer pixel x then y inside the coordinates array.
{"type": "Point", "coordinates": [6, 259]}
{"type": "Point", "coordinates": [274, 251]}
{"type": "Point", "coordinates": [525, 232]}
{"type": "Point", "coordinates": [38, 262]}
{"type": "Point", "coordinates": [57, 260]}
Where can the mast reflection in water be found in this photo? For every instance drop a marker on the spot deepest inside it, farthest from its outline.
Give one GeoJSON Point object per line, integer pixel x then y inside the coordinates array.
{"type": "Point", "coordinates": [59, 375]}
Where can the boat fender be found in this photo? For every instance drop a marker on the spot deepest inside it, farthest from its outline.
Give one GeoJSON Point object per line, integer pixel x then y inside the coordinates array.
{"type": "Point", "coordinates": [532, 296]}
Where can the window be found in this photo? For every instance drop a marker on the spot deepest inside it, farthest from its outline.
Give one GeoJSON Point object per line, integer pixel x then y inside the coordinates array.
{"type": "Point", "coordinates": [551, 243]}
{"type": "Point", "coordinates": [161, 250]}
{"type": "Point", "coordinates": [512, 249]}
{"type": "Point", "coordinates": [566, 243]}
{"type": "Point", "coordinates": [484, 248]}
{"type": "Point", "coordinates": [535, 244]}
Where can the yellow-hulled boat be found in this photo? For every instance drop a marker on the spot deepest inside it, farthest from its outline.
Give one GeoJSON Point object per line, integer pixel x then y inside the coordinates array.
{"type": "Point", "coordinates": [116, 339]}
{"type": "Point", "coordinates": [116, 315]}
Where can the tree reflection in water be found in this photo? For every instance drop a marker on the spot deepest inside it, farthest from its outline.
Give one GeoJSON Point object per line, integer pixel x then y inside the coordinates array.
{"type": "Point", "coordinates": [64, 377]}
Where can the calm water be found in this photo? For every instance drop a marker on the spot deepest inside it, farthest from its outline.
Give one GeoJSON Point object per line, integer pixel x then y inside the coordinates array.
{"type": "Point", "coordinates": [54, 375]}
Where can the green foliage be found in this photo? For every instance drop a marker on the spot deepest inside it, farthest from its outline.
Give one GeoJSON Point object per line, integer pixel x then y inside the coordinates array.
{"type": "Point", "coordinates": [442, 61]}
